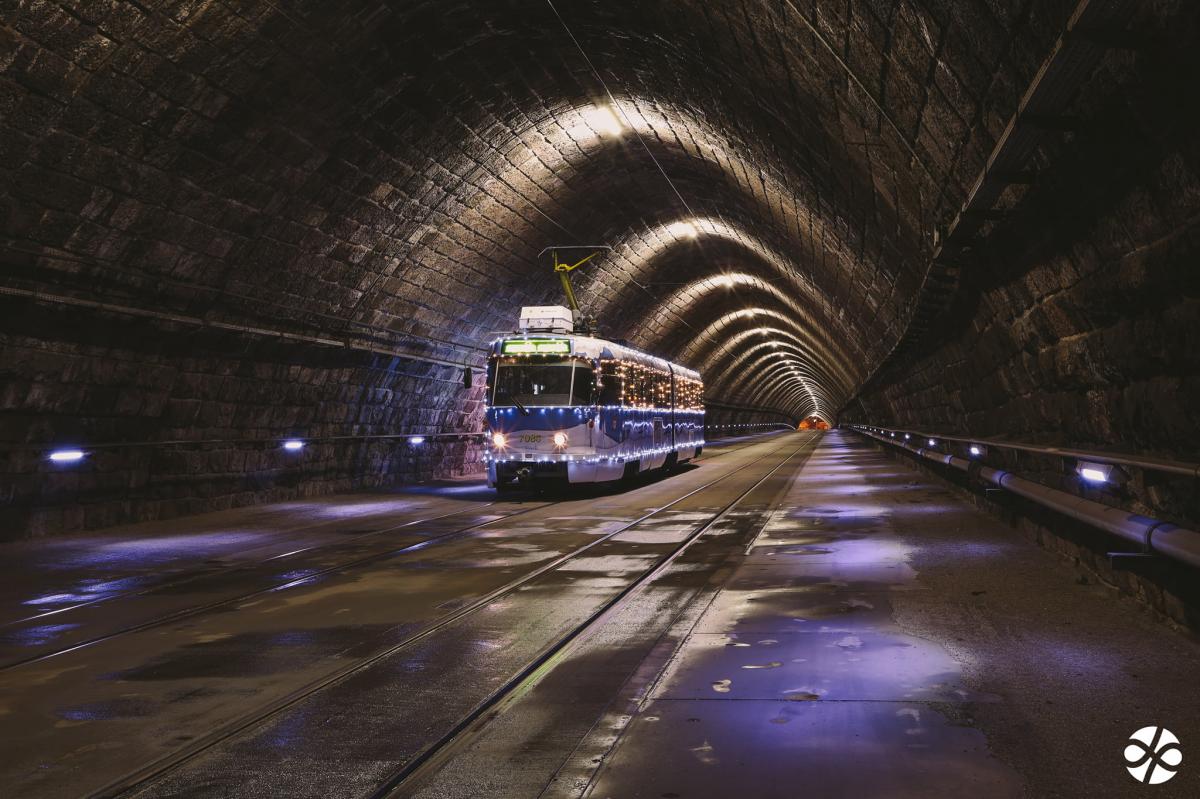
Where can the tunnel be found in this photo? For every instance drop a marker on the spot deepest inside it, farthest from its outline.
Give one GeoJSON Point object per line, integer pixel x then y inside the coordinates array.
{"type": "Point", "coordinates": [570, 398]}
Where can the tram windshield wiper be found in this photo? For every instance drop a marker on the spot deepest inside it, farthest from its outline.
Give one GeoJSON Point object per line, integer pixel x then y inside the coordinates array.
{"type": "Point", "coordinates": [524, 411]}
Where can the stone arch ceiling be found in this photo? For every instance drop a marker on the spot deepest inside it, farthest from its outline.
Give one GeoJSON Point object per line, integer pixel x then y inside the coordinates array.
{"type": "Point", "coordinates": [397, 167]}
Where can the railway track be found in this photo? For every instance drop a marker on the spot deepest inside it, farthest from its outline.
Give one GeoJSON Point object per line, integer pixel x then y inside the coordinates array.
{"type": "Point", "coordinates": [269, 588]}
{"type": "Point", "coordinates": [142, 781]}
{"type": "Point", "coordinates": [197, 578]}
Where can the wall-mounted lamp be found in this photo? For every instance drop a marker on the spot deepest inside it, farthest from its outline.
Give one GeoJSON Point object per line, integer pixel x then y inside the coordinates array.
{"type": "Point", "coordinates": [977, 450]}
{"type": "Point", "coordinates": [293, 445]}
{"type": "Point", "coordinates": [67, 455]}
{"type": "Point", "coordinates": [417, 441]}
{"type": "Point", "coordinates": [1098, 472]}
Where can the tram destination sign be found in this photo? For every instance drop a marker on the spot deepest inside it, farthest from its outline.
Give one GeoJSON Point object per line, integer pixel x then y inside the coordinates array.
{"type": "Point", "coordinates": [536, 346]}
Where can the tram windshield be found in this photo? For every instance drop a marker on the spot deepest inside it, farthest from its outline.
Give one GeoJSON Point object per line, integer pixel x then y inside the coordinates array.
{"type": "Point", "coordinates": [565, 382]}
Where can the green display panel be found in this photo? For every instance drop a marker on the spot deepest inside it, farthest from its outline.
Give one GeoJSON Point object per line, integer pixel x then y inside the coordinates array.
{"type": "Point", "coordinates": [534, 346]}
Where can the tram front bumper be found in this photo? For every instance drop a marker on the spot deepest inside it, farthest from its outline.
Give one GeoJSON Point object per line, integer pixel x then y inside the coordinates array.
{"type": "Point", "coordinates": [527, 473]}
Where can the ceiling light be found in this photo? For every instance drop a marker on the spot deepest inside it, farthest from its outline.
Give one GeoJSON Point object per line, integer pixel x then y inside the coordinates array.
{"type": "Point", "coordinates": [67, 455]}
{"type": "Point", "coordinates": [602, 120]}
{"type": "Point", "coordinates": [688, 230]}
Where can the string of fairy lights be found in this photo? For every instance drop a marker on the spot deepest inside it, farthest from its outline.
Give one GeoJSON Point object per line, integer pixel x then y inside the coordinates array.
{"type": "Point", "coordinates": [641, 386]}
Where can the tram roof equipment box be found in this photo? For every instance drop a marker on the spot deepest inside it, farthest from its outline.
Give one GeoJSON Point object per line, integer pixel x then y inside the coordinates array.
{"type": "Point", "coordinates": [547, 319]}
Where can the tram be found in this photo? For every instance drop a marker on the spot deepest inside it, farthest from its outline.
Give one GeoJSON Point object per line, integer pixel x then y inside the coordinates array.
{"type": "Point", "coordinates": [565, 407]}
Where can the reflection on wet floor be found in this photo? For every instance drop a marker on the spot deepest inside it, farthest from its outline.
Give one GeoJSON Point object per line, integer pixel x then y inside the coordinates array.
{"type": "Point", "coordinates": [797, 675]}
{"type": "Point", "coordinates": [201, 625]}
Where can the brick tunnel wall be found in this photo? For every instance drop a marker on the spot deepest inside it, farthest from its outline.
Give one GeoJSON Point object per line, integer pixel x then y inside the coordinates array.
{"type": "Point", "coordinates": [325, 210]}
{"type": "Point", "coordinates": [1078, 323]}
{"type": "Point", "coordinates": [226, 400]}
{"type": "Point", "coordinates": [722, 421]}
{"type": "Point", "coordinates": [145, 167]}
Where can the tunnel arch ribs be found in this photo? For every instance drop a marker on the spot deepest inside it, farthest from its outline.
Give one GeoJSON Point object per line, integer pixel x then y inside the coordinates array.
{"type": "Point", "coordinates": [1094, 27]}
{"type": "Point", "coordinates": [388, 178]}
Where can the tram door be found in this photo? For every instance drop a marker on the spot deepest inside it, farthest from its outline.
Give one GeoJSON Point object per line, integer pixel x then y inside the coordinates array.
{"type": "Point", "coordinates": [671, 412]}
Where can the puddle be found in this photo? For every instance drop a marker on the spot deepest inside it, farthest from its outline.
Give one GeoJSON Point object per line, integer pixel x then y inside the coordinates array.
{"type": "Point", "coordinates": [36, 636]}
{"type": "Point", "coordinates": [248, 655]}
{"type": "Point", "coordinates": [124, 708]}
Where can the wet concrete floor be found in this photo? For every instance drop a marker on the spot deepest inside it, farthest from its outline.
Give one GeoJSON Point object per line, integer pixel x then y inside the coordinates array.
{"type": "Point", "coordinates": [178, 652]}
{"type": "Point", "coordinates": [879, 638]}
{"type": "Point", "coordinates": [848, 628]}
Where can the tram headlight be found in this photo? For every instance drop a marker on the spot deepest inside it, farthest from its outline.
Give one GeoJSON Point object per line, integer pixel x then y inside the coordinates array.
{"type": "Point", "coordinates": [499, 440]}
{"type": "Point", "coordinates": [560, 439]}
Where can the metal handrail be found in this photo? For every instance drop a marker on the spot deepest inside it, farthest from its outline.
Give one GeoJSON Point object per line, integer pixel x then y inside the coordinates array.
{"type": "Point", "coordinates": [1154, 536]}
{"type": "Point", "coordinates": [1136, 461]}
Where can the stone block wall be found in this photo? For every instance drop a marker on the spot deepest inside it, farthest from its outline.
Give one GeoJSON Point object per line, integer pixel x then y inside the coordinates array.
{"type": "Point", "coordinates": [177, 421]}
{"type": "Point", "coordinates": [721, 421]}
{"type": "Point", "coordinates": [1078, 319]}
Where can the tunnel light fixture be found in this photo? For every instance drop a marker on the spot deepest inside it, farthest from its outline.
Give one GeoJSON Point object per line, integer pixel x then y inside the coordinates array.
{"type": "Point", "coordinates": [67, 455]}
{"type": "Point", "coordinates": [1095, 472]}
{"type": "Point", "coordinates": [603, 119]}
{"type": "Point", "coordinates": [293, 445]}
{"type": "Point", "coordinates": [416, 441]}
{"type": "Point", "coordinates": [907, 436]}
{"type": "Point", "coordinates": [933, 442]}
{"type": "Point", "coordinates": [977, 451]}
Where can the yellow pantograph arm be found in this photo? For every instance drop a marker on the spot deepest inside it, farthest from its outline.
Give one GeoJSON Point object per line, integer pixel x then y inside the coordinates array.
{"type": "Point", "coordinates": [563, 269]}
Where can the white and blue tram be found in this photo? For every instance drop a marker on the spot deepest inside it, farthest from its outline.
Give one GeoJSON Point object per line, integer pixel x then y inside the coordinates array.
{"type": "Point", "coordinates": [570, 408]}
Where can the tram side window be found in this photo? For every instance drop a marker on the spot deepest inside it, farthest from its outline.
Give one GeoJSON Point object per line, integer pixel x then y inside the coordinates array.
{"type": "Point", "coordinates": [689, 395]}
{"type": "Point", "coordinates": [610, 379]}
{"type": "Point", "coordinates": [583, 386]}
